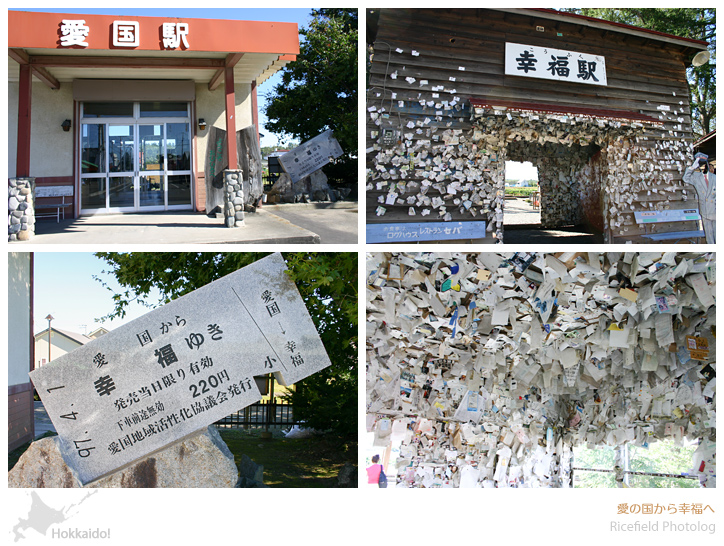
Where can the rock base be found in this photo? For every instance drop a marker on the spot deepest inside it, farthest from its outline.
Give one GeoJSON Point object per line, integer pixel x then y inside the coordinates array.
{"type": "Point", "coordinates": [202, 460]}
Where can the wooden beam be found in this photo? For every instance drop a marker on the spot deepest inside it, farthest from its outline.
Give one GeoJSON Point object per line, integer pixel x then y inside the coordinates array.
{"type": "Point", "coordinates": [124, 62]}
{"type": "Point", "coordinates": [46, 77]}
{"type": "Point", "coordinates": [231, 61]}
{"type": "Point", "coordinates": [21, 57]}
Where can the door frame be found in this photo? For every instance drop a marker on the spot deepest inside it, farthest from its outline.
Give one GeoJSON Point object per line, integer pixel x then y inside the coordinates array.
{"type": "Point", "coordinates": [135, 122]}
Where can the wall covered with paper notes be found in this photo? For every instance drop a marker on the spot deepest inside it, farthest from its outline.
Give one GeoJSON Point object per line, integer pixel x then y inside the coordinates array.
{"type": "Point", "coordinates": [454, 93]}
{"type": "Point", "coordinates": [485, 369]}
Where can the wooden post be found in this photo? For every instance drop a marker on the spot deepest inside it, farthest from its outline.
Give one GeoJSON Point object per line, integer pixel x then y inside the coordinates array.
{"type": "Point", "coordinates": [22, 166]}
{"type": "Point", "coordinates": [255, 110]}
{"type": "Point", "coordinates": [230, 119]}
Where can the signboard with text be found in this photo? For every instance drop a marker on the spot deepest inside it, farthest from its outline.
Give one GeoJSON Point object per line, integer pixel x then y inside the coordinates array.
{"type": "Point", "coordinates": [310, 156]}
{"type": "Point", "coordinates": [554, 64]}
{"type": "Point", "coordinates": [179, 368]}
{"type": "Point", "coordinates": [412, 232]}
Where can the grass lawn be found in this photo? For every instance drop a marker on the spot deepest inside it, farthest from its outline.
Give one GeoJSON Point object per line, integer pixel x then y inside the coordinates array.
{"type": "Point", "coordinates": [303, 462]}
{"type": "Point", "coordinates": [295, 462]}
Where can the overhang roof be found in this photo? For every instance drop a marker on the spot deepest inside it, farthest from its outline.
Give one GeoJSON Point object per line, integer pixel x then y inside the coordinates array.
{"type": "Point", "coordinates": [254, 49]}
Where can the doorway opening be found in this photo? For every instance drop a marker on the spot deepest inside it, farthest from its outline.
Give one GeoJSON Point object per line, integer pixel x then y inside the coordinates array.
{"type": "Point", "coordinates": [522, 195]}
{"type": "Point", "coordinates": [135, 157]}
{"type": "Point", "coordinates": [554, 210]}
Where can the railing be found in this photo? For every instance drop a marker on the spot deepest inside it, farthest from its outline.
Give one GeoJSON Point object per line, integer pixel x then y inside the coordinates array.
{"type": "Point", "coordinates": [269, 180]}
{"type": "Point", "coordinates": [260, 415]}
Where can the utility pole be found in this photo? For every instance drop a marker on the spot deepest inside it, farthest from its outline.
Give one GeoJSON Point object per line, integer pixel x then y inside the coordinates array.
{"type": "Point", "coordinates": [49, 318]}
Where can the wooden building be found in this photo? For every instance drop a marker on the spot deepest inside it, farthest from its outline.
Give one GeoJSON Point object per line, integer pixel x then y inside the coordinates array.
{"type": "Point", "coordinates": [601, 109]}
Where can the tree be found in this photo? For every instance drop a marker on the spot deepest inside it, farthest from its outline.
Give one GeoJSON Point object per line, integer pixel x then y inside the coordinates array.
{"type": "Point", "coordinates": [319, 89]}
{"type": "Point", "coordinates": [662, 456]}
{"type": "Point", "coordinates": [695, 23]}
{"type": "Point", "coordinates": [327, 283]}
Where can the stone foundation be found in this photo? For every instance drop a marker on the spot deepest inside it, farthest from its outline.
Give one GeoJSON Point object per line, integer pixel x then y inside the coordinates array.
{"type": "Point", "coordinates": [233, 199]}
{"type": "Point", "coordinates": [21, 212]}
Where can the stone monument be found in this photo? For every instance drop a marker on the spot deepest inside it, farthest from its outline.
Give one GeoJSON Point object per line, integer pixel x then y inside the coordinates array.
{"type": "Point", "coordinates": [172, 372]}
{"type": "Point", "coordinates": [310, 156]}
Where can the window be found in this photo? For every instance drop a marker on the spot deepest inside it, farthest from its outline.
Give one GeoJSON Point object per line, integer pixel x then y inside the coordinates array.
{"type": "Point", "coordinates": [164, 109]}
{"type": "Point", "coordinates": [107, 109]}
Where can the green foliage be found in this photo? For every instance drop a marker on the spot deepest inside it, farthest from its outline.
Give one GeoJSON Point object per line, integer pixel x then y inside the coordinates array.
{"type": "Point", "coordinates": [319, 89]}
{"type": "Point", "coordinates": [659, 457]}
{"type": "Point", "coordinates": [600, 457]}
{"type": "Point", "coordinates": [521, 191]}
{"type": "Point", "coordinates": [327, 283]}
{"type": "Point", "coordinates": [694, 23]}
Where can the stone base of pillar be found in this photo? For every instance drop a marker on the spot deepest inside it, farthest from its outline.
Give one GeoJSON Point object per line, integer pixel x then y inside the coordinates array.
{"type": "Point", "coordinates": [21, 210]}
{"type": "Point", "coordinates": [233, 199]}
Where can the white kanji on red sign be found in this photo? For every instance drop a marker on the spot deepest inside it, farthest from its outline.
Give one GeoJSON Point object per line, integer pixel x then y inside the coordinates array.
{"type": "Point", "coordinates": [73, 32]}
{"type": "Point", "coordinates": [126, 34]}
{"type": "Point", "coordinates": [174, 34]}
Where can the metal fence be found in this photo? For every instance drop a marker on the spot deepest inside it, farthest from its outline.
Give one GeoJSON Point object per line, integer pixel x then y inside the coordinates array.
{"type": "Point", "coordinates": [269, 181]}
{"type": "Point", "coordinates": [262, 414]}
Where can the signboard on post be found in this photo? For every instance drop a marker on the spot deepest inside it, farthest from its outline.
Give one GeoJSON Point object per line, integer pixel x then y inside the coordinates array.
{"type": "Point", "coordinates": [179, 368]}
{"type": "Point", "coordinates": [554, 64]}
{"type": "Point", "coordinates": [424, 231]}
{"type": "Point", "coordinates": [310, 156]}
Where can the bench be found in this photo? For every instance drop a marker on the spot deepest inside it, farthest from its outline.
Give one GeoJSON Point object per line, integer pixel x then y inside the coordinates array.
{"type": "Point", "coordinates": [53, 191]}
{"type": "Point", "coordinates": [655, 217]}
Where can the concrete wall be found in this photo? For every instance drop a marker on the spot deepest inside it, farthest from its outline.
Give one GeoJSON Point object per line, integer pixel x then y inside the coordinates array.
{"type": "Point", "coordinates": [20, 390]}
{"type": "Point", "coordinates": [12, 128]}
{"type": "Point", "coordinates": [19, 312]}
{"type": "Point", "coordinates": [210, 107]}
{"type": "Point", "coordinates": [51, 148]}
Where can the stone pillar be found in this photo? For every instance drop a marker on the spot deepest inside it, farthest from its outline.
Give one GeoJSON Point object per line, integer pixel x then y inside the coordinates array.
{"type": "Point", "coordinates": [21, 211]}
{"type": "Point", "coordinates": [233, 198]}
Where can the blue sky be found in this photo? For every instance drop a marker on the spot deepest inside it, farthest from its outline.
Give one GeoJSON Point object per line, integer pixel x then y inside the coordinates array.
{"type": "Point", "coordinates": [301, 16]}
{"type": "Point", "coordinates": [65, 289]}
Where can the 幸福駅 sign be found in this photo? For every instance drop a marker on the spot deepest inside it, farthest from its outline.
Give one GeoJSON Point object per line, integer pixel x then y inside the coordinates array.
{"type": "Point", "coordinates": [554, 64]}
{"type": "Point", "coordinates": [179, 368]}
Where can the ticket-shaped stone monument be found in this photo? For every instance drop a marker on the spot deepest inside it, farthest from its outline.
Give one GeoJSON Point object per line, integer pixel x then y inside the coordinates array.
{"type": "Point", "coordinates": [179, 368]}
{"type": "Point", "coordinates": [310, 156]}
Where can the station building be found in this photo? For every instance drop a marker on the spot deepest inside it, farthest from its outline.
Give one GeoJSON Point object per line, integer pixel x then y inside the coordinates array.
{"type": "Point", "coordinates": [114, 114]}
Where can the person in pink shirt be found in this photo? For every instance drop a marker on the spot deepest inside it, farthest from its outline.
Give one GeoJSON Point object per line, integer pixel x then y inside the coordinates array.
{"type": "Point", "coordinates": [374, 471]}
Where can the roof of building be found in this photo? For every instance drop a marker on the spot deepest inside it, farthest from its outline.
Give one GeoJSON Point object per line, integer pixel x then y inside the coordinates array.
{"type": "Point", "coordinates": [603, 23]}
{"type": "Point", "coordinates": [254, 49]}
{"type": "Point", "coordinates": [584, 20]}
{"type": "Point", "coordinates": [98, 332]}
{"type": "Point", "coordinates": [73, 336]}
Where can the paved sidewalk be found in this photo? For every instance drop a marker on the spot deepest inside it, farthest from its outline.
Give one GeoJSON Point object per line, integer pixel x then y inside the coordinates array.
{"type": "Point", "coordinates": [262, 227]}
{"type": "Point", "coordinates": [520, 211]}
{"type": "Point", "coordinates": [335, 223]}
{"type": "Point", "coordinates": [43, 423]}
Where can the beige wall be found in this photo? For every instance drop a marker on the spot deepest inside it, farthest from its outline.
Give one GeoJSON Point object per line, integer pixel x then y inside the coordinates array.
{"type": "Point", "coordinates": [61, 345]}
{"type": "Point", "coordinates": [51, 148]}
{"type": "Point", "coordinates": [210, 106]}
